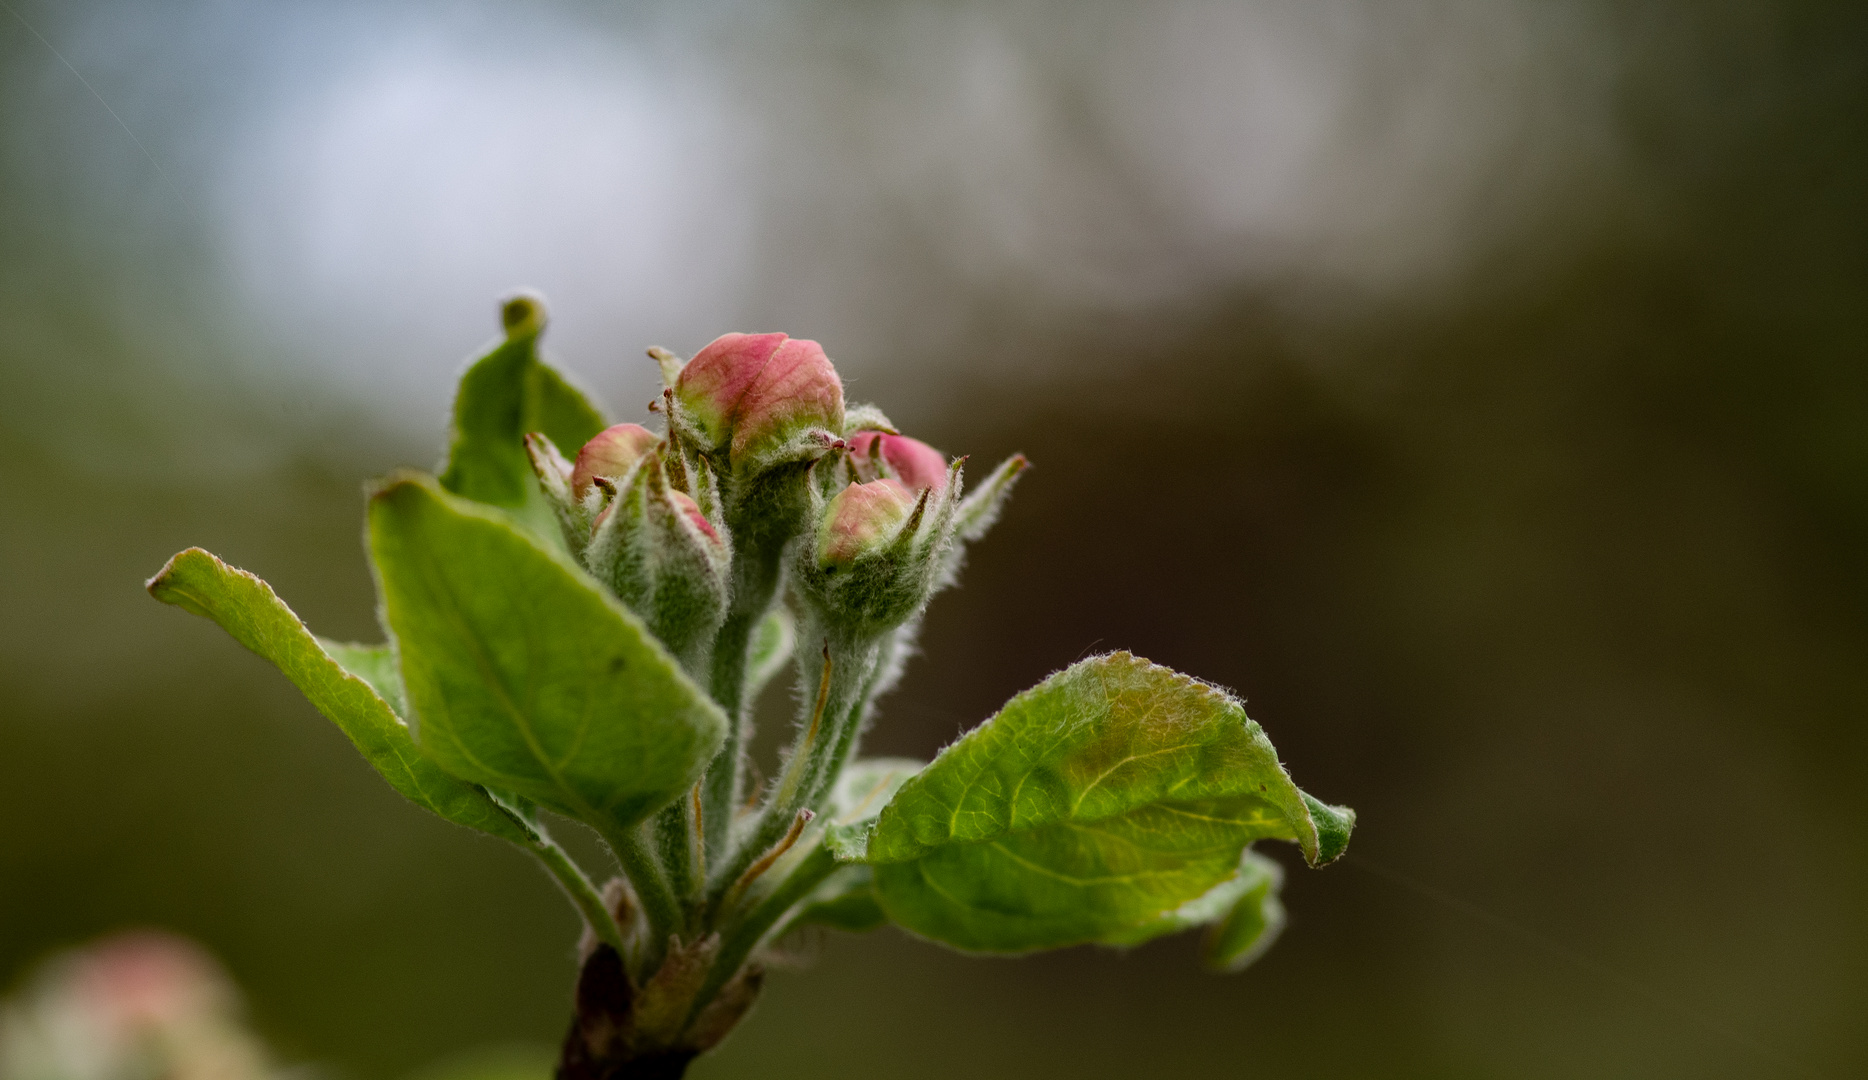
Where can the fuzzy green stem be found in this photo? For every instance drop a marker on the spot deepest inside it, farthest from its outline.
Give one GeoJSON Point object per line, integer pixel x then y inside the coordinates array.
{"type": "Point", "coordinates": [720, 789]}
{"type": "Point", "coordinates": [823, 745]}
{"type": "Point", "coordinates": [659, 904]}
{"type": "Point", "coordinates": [677, 844]}
{"type": "Point", "coordinates": [583, 895]}
{"type": "Point", "coordinates": [763, 520]}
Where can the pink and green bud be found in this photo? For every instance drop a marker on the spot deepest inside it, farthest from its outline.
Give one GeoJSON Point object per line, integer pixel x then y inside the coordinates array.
{"type": "Point", "coordinates": [879, 455]}
{"type": "Point", "coordinates": [611, 454]}
{"type": "Point", "coordinates": [755, 395]}
{"type": "Point", "coordinates": [864, 519]}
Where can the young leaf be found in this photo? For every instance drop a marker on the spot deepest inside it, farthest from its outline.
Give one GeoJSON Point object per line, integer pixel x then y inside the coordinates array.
{"type": "Point", "coordinates": [862, 790]}
{"type": "Point", "coordinates": [1091, 806]}
{"type": "Point", "coordinates": [523, 674]}
{"type": "Point", "coordinates": [503, 395]}
{"type": "Point", "coordinates": [1256, 918]}
{"type": "Point", "coordinates": [247, 608]}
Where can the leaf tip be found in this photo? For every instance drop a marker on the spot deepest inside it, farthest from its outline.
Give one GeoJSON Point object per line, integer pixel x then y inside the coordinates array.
{"type": "Point", "coordinates": [1334, 824]}
{"type": "Point", "coordinates": [166, 584]}
{"type": "Point", "coordinates": [522, 314]}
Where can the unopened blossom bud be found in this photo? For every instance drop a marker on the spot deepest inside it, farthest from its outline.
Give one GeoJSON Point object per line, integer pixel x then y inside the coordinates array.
{"type": "Point", "coordinates": [611, 454]}
{"type": "Point", "coordinates": [862, 520]}
{"type": "Point", "coordinates": [763, 399]}
{"type": "Point", "coordinates": [662, 556]}
{"type": "Point", "coordinates": [876, 553]}
{"type": "Point", "coordinates": [572, 490]}
{"type": "Point", "coordinates": [876, 455]}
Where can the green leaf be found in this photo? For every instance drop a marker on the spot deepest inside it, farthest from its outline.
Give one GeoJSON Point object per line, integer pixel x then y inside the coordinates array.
{"type": "Point", "coordinates": [247, 608]}
{"type": "Point", "coordinates": [374, 664]}
{"type": "Point", "coordinates": [1243, 913]}
{"type": "Point", "coordinates": [503, 395]}
{"type": "Point", "coordinates": [1091, 806]}
{"type": "Point", "coordinates": [523, 674]}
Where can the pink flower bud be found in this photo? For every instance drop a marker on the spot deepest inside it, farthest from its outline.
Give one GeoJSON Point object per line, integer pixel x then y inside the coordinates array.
{"type": "Point", "coordinates": [916, 464]}
{"type": "Point", "coordinates": [610, 454]}
{"type": "Point", "coordinates": [862, 519]}
{"type": "Point", "coordinates": [751, 393]}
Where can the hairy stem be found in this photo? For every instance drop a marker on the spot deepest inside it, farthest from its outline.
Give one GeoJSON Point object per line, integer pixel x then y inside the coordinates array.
{"type": "Point", "coordinates": [763, 520]}
{"type": "Point", "coordinates": [678, 848]}
{"type": "Point", "coordinates": [659, 904]}
{"type": "Point", "coordinates": [847, 675]}
{"type": "Point", "coordinates": [584, 896]}
{"type": "Point", "coordinates": [720, 789]}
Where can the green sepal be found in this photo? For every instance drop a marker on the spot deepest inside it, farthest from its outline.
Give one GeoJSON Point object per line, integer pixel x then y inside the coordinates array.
{"type": "Point", "coordinates": [866, 417]}
{"type": "Point", "coordinates": [660, 563]}
{"type": "Point", "coordinates": [248, 609]}
{"type": "Point", "coordinates": [1090, 807]}
{"type": "Point", "coordinates": [525, 675]}
{"type": "Point", "coordinates": [504, 394]}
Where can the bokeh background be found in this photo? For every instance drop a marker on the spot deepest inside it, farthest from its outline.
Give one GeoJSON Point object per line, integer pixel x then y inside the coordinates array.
{"type": "Point", "coordinates": [1479, 387]}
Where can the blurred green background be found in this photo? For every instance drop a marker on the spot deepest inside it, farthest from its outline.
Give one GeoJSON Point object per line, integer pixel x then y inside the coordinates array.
{"type": "Point", "coordinates": [1479, 388]}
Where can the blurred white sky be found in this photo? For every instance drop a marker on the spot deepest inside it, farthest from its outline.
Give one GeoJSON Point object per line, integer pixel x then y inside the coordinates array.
{"type": "Point", "coordinates": [871, 175]}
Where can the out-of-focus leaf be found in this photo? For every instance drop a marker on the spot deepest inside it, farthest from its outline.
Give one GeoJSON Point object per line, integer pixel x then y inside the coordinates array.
{"type": "Point", "coordinates": [862, 790]}
{"type": "Point", "coordinates": [374, 664]}
{"type": "Point", "coordinates": [247, 608]}
{"type": "Point", "coordinates": [845, 901]}
{"type": "Point", "coordinates": [503, 395]}
{"type": "Point", "coordinates": [772, 643]}
{"type": "Point", "coordinates": [1255, 919]}
{"type": "Point", "coordinates": [522, 673]}
{"type": "Point", "coordinates": [1091, 806]}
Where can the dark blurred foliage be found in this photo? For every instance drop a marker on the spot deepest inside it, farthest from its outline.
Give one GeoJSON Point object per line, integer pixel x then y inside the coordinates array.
{"type": "Point", "coordinates": [1554, 573]}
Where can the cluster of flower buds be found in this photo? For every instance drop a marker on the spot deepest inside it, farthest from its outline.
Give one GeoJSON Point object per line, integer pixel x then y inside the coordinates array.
{"type": "Point", "coordinates": [645, 520]}
{"type": "Point", "coordinates": [760, 457]}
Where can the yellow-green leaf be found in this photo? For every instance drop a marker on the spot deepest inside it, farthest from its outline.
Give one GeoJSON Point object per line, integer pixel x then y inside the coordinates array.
{"type": "Point", "coordinates": [247, 608]}
{"type": "Point", "coordinates": [1089, 808]}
